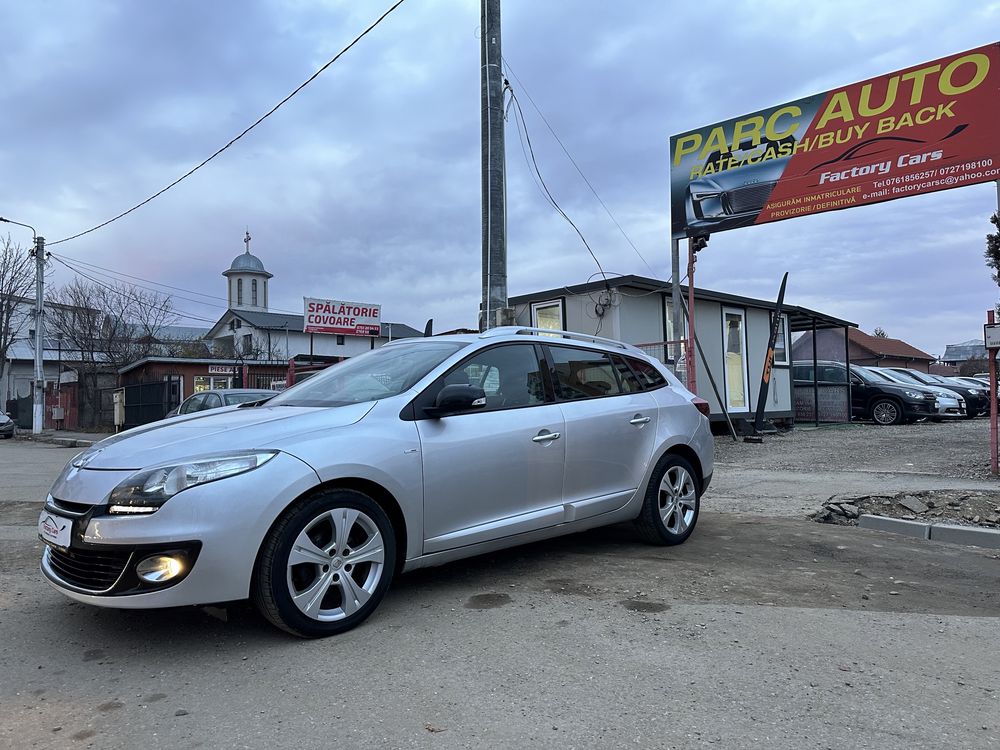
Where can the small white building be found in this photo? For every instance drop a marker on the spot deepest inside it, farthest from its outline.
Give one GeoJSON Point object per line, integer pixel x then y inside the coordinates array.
{"type": "Point", "coordinates": [249, 330]}
{"type": "Point", "coordinates": [733, 332]}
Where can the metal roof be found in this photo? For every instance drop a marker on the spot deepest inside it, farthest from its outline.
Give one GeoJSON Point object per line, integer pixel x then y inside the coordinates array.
{"type": "Point", "coordinates": [799, 318]}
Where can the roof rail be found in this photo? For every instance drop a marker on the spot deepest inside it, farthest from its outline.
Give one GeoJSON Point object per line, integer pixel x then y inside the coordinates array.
{"type": "Point", "coordinates": [524, 330]}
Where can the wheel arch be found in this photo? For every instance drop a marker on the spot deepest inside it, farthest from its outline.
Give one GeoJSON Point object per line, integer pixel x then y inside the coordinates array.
{"type": "Point", "coordinates": [688, 454]}
{"type": "Point", "coordinates": [374, 490]}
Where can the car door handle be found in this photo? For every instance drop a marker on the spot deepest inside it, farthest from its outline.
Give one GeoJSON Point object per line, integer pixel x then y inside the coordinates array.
{"type": "Point", "coordinates": [545, 437]}
{"type": "Point", "coordinates": [639, 419]}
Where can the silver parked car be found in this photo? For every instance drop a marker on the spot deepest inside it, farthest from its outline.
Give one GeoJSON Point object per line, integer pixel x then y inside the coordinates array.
{"type": "Point", "coordinates": [219, 397]}
{"type": "Point", "coordinates": [414, 454]}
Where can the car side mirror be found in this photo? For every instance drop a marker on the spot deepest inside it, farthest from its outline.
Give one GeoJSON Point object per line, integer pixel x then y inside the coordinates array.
{"type": "Point", "coordinates": [456, 398]}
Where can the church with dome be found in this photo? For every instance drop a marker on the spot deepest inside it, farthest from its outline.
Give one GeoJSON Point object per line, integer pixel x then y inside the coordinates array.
{"type": "Point", "coordinates": [250, 330]}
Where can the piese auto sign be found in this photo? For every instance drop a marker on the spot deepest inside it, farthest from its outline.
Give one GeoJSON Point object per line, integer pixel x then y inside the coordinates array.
{"type": "Point", "coordinates": [334, 316]}
{"type": "Point", "coordinates": [929, 127]}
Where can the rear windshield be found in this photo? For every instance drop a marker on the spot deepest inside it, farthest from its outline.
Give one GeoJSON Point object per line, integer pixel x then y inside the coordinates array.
{"type": "Point", "coordinates": [380, 373]}
{"type": "Point", "coordinates": [242, 398]}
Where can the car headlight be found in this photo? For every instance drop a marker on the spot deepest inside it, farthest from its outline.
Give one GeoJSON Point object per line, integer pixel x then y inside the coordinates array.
{"type": "Point", "coordinates": [915, 394]}
{"type": "Point", "coordinates": [707, 204]}
{"type": "Point", "coordinates": [146, 490]}
{"type": "Point", "coordinates": [977, 392]}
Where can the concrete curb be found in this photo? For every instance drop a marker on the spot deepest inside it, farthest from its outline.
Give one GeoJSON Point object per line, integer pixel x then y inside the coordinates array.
{"type": "Point", "coordinates": [52, 439]}
{"type": "Point", "coordinates": [972, 536]}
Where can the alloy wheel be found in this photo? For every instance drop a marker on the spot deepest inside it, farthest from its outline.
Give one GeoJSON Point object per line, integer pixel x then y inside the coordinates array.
{"type": "Point", "coordinates": [678, 499]}
{"type": "Point", "coordinates": [335, 564]}
{"type": "Point", "coordinates": [885, 412]}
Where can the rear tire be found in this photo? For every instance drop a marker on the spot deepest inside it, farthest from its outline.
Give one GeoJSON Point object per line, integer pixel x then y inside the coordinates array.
{"type": "Point", "coordinates": [672, 502]}
{"type": "Point", "coordinates": [325, 565]}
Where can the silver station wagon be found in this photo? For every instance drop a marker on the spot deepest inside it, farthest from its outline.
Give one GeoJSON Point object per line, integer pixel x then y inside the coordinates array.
{"type": "Point", "coordinates": [414, 454]}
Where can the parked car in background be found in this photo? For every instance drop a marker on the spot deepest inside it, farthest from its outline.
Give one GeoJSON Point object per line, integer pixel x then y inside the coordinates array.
{"type": "Point", "coordinates": [949, 403]}
{"type": "Point", "coordinates": [219, 397]}
{"type": "Point", "coordinates": [976, 399]}
{"type": "Point", "coordinates": [414, 454]}
{"type": "Point", "coordinates": [885, 402]}
{"type": "Point", "coordinates": [877, 398]}
{"type": "Point", "coordinates": [7, 426]}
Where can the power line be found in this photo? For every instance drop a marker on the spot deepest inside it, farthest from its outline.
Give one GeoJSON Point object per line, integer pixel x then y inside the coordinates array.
{"type": "Point", "coordinates": [119, 292]}
{"type": "Point", "coordinates": [519, 118]}
{"type": "Point", "coordinates": [259, 120]}
{"type": "Point", "coordinates": [113, 274]}
{"type": "Point", "coordinates": [71, 264]}
{"type": "Point", "coordinates": [577, 166]}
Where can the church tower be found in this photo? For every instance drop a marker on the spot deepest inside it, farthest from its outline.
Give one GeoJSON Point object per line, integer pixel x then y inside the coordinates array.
{"type": "Point", "coordinates": [247, 280]}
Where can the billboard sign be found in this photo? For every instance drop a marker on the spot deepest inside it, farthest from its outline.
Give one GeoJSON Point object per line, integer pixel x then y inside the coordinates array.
{"type": "Point", "coordinates": [926, 128]}
{"type": "Point", "coordinates": [345, 318]}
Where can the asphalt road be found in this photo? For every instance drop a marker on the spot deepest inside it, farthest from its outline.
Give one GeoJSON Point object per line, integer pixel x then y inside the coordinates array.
{"type": "Point", "coordinates": [756, 633]}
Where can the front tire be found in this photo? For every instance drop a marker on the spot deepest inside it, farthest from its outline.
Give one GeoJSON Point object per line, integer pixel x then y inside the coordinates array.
{"type": "Point", "coordinates": [326, 564]}
{"type": "Point", "coordinates": [670, 509]}
{"type": "Point", "coordinates": [885, 411]}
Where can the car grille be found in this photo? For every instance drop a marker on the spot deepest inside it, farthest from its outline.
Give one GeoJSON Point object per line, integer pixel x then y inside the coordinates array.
{"type": "Point", "coordinates": [749, 197]}
{"type": "Point", "coordinates": [75, 509]}
{"type": "Point", "coordinates": [88, 569]}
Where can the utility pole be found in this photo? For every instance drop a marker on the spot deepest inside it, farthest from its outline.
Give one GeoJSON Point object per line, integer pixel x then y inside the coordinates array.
{"type": "Point", "coordinates": [494, 310]}
{"type": "Point", "coordinates": [38, 402]}
{"type": "Point", "coordinates": [38, 392]}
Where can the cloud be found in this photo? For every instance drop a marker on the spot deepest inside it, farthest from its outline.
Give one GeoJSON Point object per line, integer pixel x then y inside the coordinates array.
{"type": "Point", "coordinates": [366, 185]}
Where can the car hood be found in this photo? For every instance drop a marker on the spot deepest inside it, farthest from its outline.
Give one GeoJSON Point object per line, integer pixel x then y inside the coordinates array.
{"type": "Point", "coordinates": [219, 430]}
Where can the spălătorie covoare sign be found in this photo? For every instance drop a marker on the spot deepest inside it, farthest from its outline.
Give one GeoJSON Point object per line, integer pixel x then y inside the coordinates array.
{"type": "Point", "coordinates": [336, 316]}
{"type": "Point", "coordinates": [926, 128]}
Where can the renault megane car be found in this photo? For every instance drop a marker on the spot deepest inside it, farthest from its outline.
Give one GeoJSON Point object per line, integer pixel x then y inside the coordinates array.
{"type": "Point", "coordinates": [414, 454]}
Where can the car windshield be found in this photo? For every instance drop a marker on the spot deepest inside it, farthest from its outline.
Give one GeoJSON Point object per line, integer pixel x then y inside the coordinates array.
{"type": "Point", "coordinates": [905, 377]}
{"type": "Point", "coordinates": [242, 398]}
{"type": "Point", "coordinates": [874, 375]}
{"type": "Point", "coordinates": [380, 373]}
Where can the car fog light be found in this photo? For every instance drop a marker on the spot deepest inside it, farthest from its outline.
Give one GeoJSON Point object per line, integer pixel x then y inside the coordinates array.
{"type": "Point", "coordinates": [159, 568]}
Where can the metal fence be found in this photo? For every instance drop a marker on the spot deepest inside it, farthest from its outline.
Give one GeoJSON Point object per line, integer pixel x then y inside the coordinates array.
{"type": "Point", "coordinates": [671, 353]}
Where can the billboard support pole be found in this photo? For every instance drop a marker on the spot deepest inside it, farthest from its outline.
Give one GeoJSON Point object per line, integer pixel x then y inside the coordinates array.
{"type": "Point", "coordinates": [692, 363]}
{"type": "Point", "coordinates": [992, 354]}
{"type": "Point", "coordinates": [675, 300]}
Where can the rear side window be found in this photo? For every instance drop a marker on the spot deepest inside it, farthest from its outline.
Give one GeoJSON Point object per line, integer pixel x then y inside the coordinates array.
{"type": "Point", "coordinates": [649, 376]}
{"type": "Point", "coordinates": [630, 383]}
{"type": "Point", "coordinates": [581, 373]}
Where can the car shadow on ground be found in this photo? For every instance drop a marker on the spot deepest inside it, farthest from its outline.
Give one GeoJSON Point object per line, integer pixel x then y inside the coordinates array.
{"type": "Point", "coordinates": [731, 560]}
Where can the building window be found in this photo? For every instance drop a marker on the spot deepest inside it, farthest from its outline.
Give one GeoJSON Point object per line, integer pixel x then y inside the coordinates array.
{"type": "Point", "coordinates": [265, 294]}
{"type": "Point", "coordinates": [247, 343]}
{"type": "Point", "coordinates": [239, 291]}
{"type": "Point", "coordinates": [253, 292]}
{"type": "Point", "coordinates": [548, 315]}
{"type": "Point", "coordinates": [780, 345]}
{"type": "Point", "coordinates": [340, 340]}
{"type": "Point", "coordinates": [668, 312]}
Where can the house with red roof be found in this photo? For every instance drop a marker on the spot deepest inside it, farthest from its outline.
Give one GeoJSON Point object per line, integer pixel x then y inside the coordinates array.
{"type": "Point", "coordinates": [862, 349]}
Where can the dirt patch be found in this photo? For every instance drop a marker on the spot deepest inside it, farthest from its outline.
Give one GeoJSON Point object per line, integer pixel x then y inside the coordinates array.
{"type": "Point", "coordinates": [959, 449]}
{"type": "Point", "coordinates": [933, 506]}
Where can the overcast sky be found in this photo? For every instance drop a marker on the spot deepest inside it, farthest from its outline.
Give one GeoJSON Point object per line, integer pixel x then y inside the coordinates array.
{"type": "Point", "coordinates": [366, 186]}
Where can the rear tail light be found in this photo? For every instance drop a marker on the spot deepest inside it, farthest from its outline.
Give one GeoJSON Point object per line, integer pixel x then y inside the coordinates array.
{"type": "Point", "coordinates": [702, 405]}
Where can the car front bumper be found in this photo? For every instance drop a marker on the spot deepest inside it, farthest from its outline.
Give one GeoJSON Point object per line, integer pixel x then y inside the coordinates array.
{"type": "Point", "coordinates": [217, 527]}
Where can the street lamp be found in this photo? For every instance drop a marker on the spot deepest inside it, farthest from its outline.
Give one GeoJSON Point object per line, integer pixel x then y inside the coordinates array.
{"type": "Point", "coordinates": [38, 393]}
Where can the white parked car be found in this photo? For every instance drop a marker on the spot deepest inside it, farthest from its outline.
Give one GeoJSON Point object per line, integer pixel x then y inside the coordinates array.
{"type": "Point", "coordinates": [414, 454]}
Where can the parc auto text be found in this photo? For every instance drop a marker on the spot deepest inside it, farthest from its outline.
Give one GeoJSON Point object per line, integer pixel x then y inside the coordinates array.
{"type": "Point", "coordinates": [853, 121]}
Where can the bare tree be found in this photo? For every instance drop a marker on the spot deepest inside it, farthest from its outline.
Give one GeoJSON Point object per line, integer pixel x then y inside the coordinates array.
{"type": "Point", "coordinates": [992, 252]}
{"type": "Point", "coordinates": [104, 327]}
{"type": "Point", "coordinates": [880, 333]}
{"type": "Point", "coordinates": [16, 278]}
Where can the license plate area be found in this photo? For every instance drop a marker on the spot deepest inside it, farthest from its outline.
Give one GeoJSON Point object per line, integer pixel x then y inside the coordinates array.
{"type": "Point", "coordinates": [55, 529]}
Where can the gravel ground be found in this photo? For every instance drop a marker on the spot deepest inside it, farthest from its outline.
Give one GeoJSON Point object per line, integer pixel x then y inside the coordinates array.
{"type": "Point", "coordinates": [959, 449]}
